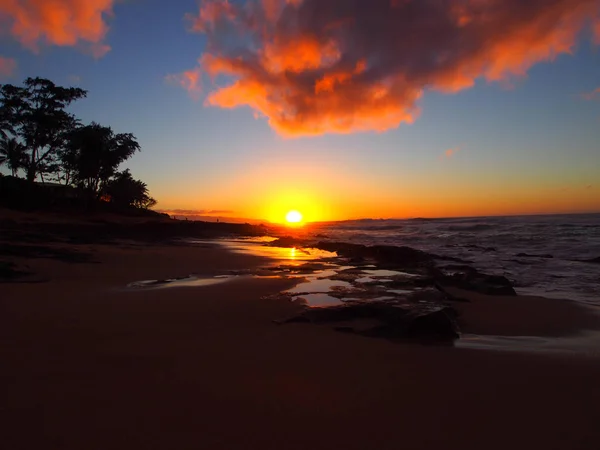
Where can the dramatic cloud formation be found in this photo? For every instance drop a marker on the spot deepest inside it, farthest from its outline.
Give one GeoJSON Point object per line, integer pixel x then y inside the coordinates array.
{"type": "Point", "coordinates": [7, 67]}
{"type": "Point", "coordinates": [591, 95]}
{"type": "Point", "coordinates": [315, 66]}
{"type": "Point", "coordinates": [58, 22]}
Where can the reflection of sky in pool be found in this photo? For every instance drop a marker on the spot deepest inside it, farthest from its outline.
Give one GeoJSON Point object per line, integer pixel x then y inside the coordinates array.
{"type": "Point", "coordinates": [277, 253]}
{"type": "Point", "coordinates": [179, 282]}
{"type": "Point", "coordinates": [313, 286]}
{"type": "Point", "coordinates": [318, 300]}
{"type": "Point", "coordinates": [388, 273]}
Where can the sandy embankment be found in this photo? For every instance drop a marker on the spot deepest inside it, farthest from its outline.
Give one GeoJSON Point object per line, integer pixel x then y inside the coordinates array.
{"type": "Point", "coordinates": [87, 365]}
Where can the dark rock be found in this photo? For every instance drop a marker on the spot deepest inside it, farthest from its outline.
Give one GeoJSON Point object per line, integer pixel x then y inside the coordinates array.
{"type": "Point", "coordinates": [429, 295]}
{"type": "Point", "coordinates": [405, 256]}
{"type": "Point", "coordinates": [9, 271]}
{"type": "Point", "coordinates": [356, 260]}
{"type": "Point", "coordinates": [410, 283]}
{"type": "Point", "coordinates": [451, 259]}
{"type": "Point", "coordinates": [449, 296]}
{"type": "Point", "coordinates": [437, 324]}
{"type": "Point", "coordinates": [344, 249]}
{"type": "Point", "coordinates": [453, 269]}
{"type": "Point", "coordinates": [387, 321]}
{"type": "Point", "coordinates": [389, 254]}
{"type": "Point", "coordinates": [288, 241]}
{"type": "Point", "coordinates": [345, 313]}
{"type": "Point", "coordinates": [357, 253]}
{"type": "Point", "coordinates": [472, 280]}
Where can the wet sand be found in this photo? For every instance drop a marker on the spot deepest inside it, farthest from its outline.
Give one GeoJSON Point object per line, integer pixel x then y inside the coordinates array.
{"type": "Point", "coordinates": [523, 315]}
{"type": "Point", "coordinates": [87, 364]}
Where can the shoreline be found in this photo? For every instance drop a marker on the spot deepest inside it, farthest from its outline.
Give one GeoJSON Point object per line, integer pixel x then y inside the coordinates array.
{"type": "Point", "coordinates": [502, 321]}
{"type": "Point", "coordinates": [480, 316]}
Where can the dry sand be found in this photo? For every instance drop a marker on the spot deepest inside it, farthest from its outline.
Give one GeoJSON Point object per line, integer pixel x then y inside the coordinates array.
{"type": "Point", "coordinates": [89, 365]}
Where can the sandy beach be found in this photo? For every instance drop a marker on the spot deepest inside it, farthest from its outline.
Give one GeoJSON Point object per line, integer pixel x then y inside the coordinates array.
{"type": "Point", "coordinates": [89, 364]}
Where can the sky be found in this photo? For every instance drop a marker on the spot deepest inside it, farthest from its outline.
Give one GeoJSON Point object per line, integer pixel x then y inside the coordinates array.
{"type": "Point", "coordinates": [339, 109]}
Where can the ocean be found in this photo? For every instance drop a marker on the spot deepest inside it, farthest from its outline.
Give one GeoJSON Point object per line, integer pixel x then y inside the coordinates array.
{"type": "Point", "coordinates": [542, 255]}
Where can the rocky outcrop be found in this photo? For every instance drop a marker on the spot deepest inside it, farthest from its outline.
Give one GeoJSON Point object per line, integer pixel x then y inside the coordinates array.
{"type": "Point", "coordinates": [470, 279]}
{"type": "Point", "coordinates": [389, 254]}
{"type": "Point", "coordinates": [459, 275]}
{"type": "Point", "coordinates": [9, 272]}
{"type": "Point", "coordinates": [397, 256]}
{"type": "Point", "coordinates": [382, 320]}
{"type": "Point", "coordinates": [289, 241]}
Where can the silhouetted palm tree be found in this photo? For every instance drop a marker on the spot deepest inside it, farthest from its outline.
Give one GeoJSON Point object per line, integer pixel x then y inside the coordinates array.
{"type": "Point", "coordinates": [5, 125]}
{"type": "Point", "coordinates": [12, 153]}
{"type": "Point", "coordinates": [125, 191]}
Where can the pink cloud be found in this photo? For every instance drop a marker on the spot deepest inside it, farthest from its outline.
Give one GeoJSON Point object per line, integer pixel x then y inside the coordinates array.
{"type": "Point", "coordinates": [591, 95]}
{"type": "Point", "coordinates": [341, 66]}
{"type": "Point", "coordinates": [190, 80]}
{"type": "Point", "coordinates": [8, 66]}
{"type": "Point", "coordinates": [451, 152]}
{"type": "Point", "coordinates": [65, 23]}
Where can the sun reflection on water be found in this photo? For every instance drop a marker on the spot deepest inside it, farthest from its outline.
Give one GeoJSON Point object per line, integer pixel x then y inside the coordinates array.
{"type": "Point", "coordinates": [292, 254]}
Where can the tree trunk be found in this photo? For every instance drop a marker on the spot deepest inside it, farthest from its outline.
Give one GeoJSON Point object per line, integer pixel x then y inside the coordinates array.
{"type": "Point", "coordinates": [32, 169]}
{"type": "Point", "coordinates": [31, 173]}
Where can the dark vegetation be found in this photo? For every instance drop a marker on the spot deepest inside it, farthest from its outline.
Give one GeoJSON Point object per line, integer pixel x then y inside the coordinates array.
{"type": "Point", "coordinates": [71, 174]}
{"type": "Point", "coordinates": [63, 163]}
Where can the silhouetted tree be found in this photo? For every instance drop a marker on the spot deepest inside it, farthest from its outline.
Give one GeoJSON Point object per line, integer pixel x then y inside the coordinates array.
{"type": "Point", "coordinates": [124, 191]}
{"type": "Point", "coordinates": [5, 122]}
{"type": "Point", "coordinates": [36, 115]}
{"type": "Point", "coordinates": [93, 155]}
{"type": "Point", "coordinates": [38, 135]}
{"type": "Point", "coordinates": [12, 153]}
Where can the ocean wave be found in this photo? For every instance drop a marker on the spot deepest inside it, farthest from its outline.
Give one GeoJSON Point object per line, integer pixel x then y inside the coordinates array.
{"type": "Point", "coordinates": [475, 227]}
{"type": "Point", "coordinates": [569, 242]}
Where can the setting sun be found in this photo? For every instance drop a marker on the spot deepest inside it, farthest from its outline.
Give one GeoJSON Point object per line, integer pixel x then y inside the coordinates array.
{"type": "Point", "coordinates": [293, 217]}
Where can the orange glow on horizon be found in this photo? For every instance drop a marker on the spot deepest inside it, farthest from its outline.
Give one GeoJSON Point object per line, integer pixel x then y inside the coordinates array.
{"type": "Point", "coordinates": [461, 202]}
{"type": "Point", "coordinates": [323, 189]}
